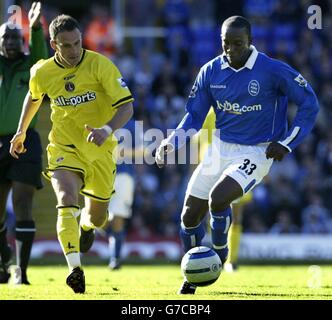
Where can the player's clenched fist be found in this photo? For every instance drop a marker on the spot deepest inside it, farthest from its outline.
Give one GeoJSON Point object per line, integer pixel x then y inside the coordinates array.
{"type": "Point", "coordinates": [17, 144]}
{"type": "Point", "coordinates": [98, 135]}
{"type": "Point", "coordinates": [161, 152]}
{"type": "Point", "coordinates": [276, 151]}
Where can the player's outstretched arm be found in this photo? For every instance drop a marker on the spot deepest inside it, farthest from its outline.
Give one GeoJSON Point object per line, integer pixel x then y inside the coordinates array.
{"type": "Point", "coordinates": [37, 42]}
{"type": "Point", "coordinates": [122, 116]}
{"type": "Point", "coordinates": [34, 15]}
{"type": "Point", "coordinates": [29, 110]}
{"type": "Point", "coordinates": [99, 135]}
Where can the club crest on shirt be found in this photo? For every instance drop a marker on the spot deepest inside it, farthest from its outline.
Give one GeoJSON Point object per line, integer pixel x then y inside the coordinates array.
{"type": "Point", "coordinates": [253, 88]}
{"type": "Point", "coordinates": [69, 86]}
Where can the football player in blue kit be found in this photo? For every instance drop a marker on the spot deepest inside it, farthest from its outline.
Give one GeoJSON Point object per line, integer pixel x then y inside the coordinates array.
{"type": "Point", "coordinates": [249, 92]}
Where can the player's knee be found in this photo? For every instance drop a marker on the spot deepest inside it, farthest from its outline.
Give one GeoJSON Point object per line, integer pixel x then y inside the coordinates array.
{"type": "Point", "coordinates": [190, 217]}
{"type": "Point", "coordinates": [66, 198]}
{"type": "Point", "coordinates": [218, 202]}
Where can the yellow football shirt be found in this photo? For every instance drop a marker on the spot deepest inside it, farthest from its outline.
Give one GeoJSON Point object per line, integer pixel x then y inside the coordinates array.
{"type": "Point", "coordinates": [209, 125]}
{"type": "Point", "coordinates": [88, 93]}
{"type": "Point", "coordinates": [204, 137]}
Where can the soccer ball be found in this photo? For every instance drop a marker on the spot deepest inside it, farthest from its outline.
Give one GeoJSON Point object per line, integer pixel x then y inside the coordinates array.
{"type": "Point", "coordinates": [201, 266]}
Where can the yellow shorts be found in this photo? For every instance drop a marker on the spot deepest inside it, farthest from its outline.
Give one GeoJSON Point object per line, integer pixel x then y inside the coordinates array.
{"type": "Point", "coordinates": [98, 175]}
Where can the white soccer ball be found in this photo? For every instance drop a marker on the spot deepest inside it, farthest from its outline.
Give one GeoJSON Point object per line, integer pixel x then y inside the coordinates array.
{"type": "Point", "coordinates": [201, 266]}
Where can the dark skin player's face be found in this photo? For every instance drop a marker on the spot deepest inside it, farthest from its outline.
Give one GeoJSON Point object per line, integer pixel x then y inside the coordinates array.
{"type": "Point", "coordinates": [236, 45]}
{"type": "Point", "coordinates": [11, 42]}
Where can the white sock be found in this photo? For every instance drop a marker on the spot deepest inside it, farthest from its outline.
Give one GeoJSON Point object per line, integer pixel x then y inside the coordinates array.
{"type": "Point", "coordinates": [73, 260]}
{"type": "Point", "coordinates": [85, 222]}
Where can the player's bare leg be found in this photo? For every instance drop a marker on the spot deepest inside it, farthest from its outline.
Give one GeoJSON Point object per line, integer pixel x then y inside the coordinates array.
{"type": "Point", "coordinates": [223, 193]}
{"type": "Point", "coordinates": [192, 229]}
{"type": "Point", "coordinates": [94, 215]}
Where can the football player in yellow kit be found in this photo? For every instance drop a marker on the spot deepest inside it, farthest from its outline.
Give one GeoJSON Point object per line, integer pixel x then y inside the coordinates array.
{"type": "Point", "coordinates": [89, 100]}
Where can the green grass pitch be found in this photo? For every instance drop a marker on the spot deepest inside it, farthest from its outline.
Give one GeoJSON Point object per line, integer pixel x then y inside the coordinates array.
{"type": "Point", "coordinates": [161, 282]}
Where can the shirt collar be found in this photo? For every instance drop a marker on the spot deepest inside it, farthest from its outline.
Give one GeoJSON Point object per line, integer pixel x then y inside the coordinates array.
{"type": "Point", "coordinates": [249, 64]}
{"type": "Point", "coordinates": [56, 60]}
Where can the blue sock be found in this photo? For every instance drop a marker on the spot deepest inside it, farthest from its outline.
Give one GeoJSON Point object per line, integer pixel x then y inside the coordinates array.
{"type": "Point", "coordinates": [115, 244]}
{"type": "Point", "coordinates": [191, 237]}
{"type": "Point", "coordinates": [220, 223]}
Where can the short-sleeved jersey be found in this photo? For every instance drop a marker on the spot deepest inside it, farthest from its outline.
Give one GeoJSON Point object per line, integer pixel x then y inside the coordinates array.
{"type": "Point", "coordinates": [88, 93]}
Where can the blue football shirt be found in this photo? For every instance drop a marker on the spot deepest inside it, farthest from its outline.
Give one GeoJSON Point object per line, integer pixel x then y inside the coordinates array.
{"type": "Point", "coordinates": [251, 103]}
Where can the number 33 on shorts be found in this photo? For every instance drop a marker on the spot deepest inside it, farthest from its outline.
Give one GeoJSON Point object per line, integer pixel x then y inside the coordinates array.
{"type": "Point", "coordinates": [249, 172]}
{"type": "Point", "coordinates": [248, 167]}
